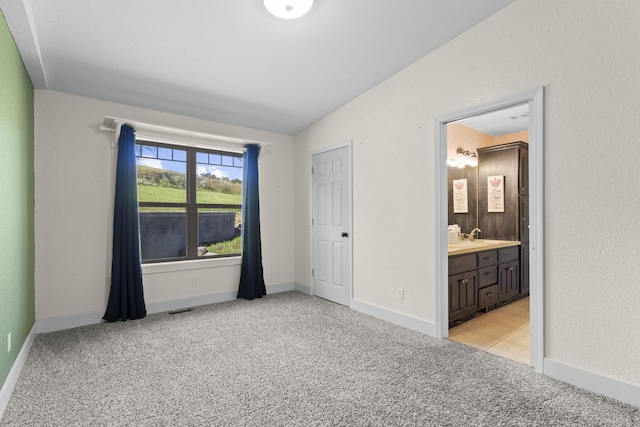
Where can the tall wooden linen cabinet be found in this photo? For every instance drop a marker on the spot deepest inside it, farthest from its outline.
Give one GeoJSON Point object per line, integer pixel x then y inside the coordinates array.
{"type": "Point", "coordinates": [511, 162]}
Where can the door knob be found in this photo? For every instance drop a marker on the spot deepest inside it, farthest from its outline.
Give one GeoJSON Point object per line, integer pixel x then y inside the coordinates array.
{"type": "Point", "coordinates": [345, 234]}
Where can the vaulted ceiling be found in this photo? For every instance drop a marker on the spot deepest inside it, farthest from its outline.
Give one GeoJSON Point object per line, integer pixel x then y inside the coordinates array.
{"type": "Point", "coordinates": [230, 60]}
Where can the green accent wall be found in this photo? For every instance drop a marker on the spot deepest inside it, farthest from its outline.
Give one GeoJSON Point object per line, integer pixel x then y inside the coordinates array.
{"type": "Point", "coordinates": [17, 306]}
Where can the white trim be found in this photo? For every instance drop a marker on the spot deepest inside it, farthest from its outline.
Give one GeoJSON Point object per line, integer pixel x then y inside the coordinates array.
{"type": "Point", "coordinates": [281, 287]}
{"type": "Point", "coordinates": [190, 265]}
{"type": "Point", "coordinates": [190, 302]}
{"type": "Point", "coordinates": [14, 373]}
{"type": "Point", "coordinates": [418, 325]}
{"type": "Point", "coordinates": [171, 135]}
{"type": "Point", "coordinates": [19, 16]}
{"type": "Point", "coordinates": [535, 98]}
{"type": "Point", "coordinates": [305, 289]}
{"type": "Point", "coordinates": [536, 234]}
{"type": "Point", "coordinates": [58, 323]}
{"type": "Point", "coordinates": [349, 146]}
{"type": "Point", "coordinates": [590, 381]}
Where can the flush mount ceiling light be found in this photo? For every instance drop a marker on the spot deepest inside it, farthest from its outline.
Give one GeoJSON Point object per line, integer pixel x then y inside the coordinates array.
{"type": "Point", "coordinates": [288, 9]}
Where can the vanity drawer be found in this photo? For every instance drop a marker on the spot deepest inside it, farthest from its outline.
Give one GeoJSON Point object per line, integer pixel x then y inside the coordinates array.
{"type": "Point", "coordinates": [509, 254]}
{"type": "Point", "coordinates": [462, 263]}
{"type": "Point", "coordinates": [487, 296]}
{"type": "Point", "coordinates": [487, 258]}
{"type": "Point", "coordinates": [487, 276]}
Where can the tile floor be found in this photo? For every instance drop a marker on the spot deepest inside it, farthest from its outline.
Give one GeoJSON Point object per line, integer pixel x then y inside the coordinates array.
{"type": "Point", "coordinates": [504, 332]}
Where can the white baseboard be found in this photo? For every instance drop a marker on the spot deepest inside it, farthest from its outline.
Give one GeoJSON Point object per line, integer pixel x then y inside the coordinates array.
{"type": "Point", "coordinates": [58, 323]}
{"type": "Point", "coordinates": [394, 317]}
{"type": "Point", "coordinates": [14, 372]}
{"type": "Point", "coordinates": [282, 287]}
{"type": "Point", "coordinates": [606, 386]}
{"type": "Point", "coordinates": [305, 289]}
{"type": "Point", "coordinates": [189, 302]}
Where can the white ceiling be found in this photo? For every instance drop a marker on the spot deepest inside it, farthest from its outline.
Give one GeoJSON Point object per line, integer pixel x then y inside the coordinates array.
{"type": "Point", "coordinates": [500, 122]}
{"type": "Point", "coordinates": [230, 60]}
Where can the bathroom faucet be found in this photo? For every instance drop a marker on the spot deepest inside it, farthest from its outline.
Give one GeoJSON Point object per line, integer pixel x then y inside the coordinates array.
{"type": "Point", "coordinates": [472, 234]}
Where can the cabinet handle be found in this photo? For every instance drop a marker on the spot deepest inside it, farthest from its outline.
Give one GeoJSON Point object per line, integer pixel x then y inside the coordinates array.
{"type": "Point", "coordinates": [488, 274]}
{"type": "Point", "coordinates": [510, 268]}
{"type": "Point", "coordinates": [464, 281]}
{"type": "Point", "coordinates": [487, 258]}
{"type": "Point", "coordinates": [489, 294]}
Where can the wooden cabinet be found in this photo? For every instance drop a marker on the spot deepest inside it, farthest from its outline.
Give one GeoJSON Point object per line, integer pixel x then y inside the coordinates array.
{"type": "Point", "coordinates": [523, 211]}
{"type": "Point", "coordinates": [511, 162]}
{"type": "Point", "coordinates": [462, 297]}
{"type": "Point", "coordinates": [463, 287]}
{"type": "Point", "coordinates": [524, 268]}
{"type": "Point", "coordinates": [523, 172]}
{"type": "Point", "coordinates": [508, 281]}
{"type": "Point", "coordinates": [482, 281]}
{"type": "Point", "coordinates": [508, 274]}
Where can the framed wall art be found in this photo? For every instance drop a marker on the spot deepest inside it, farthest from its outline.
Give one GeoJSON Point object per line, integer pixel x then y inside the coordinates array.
{"type": "Point", "coordinates": [460, 196]}
{"type": "Point", "coordinates": [495, 196]}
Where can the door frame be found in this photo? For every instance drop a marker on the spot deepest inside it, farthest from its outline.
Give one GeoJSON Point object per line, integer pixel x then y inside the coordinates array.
{"type": "Point", "coordinates": [349, 146]}
{"type": "Point", "coordinates": [535, 98]}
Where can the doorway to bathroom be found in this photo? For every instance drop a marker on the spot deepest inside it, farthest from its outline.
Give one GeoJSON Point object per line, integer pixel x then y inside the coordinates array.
{"type": "Point", "coordinates": [518, 316]}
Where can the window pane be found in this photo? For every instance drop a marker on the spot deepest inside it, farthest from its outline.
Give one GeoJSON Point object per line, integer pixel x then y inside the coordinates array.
{"type": "Point", "coordinates": [180, 155]}
{"type": "Point", "coordinates": [162, 181]}
{"type": "Point", "coordinates": [202, 157]}
{"type": "Point", "coordinates": [219, 231]}
{"type": "Point", "coordinates": [237, 162]}
{"type": "Point", "coordinates": [215, 159]}
{"type": "Point", "coordinates": [165, 153]}
{"type": "Point", "coordinates": [227, 161]}
{"type": "Point", "coordinates": [163, 233]}
{"type": "Point", "coordinates": [148, 151]}
{"type": "Point", "coordinates": [218, 184]}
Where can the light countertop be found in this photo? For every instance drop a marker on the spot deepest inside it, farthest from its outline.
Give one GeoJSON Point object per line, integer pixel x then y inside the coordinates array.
{"type": "Point", "coordinates": [478, 245]}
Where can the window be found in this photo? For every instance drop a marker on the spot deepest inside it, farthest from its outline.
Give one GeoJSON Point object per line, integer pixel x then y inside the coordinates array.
{"type": "Point", "coordinates": [190, 202]}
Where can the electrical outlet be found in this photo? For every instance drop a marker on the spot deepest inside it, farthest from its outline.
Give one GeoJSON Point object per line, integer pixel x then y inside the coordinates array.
{"type": "Point", "coordinates": [401, 294]}
{"type": "Point", "coordinates": [9, 342]}
{"type": "Point", "coordinates": [194, 280]}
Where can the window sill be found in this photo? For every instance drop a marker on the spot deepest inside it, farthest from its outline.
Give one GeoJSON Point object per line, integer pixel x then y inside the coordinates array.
{"type": "Point", "coordinates": [196, 264]}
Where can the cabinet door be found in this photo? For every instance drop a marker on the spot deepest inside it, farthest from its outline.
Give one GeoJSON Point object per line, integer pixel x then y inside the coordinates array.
{"type": "Point", "coordinates": [508, 280]}
{"type": "Point", "coordinates": [524, 268]}
{"type": "Point", "coordinates": [524, 218]}
{"type": "Point", "coordinates": [454, 297]}
{"type": "Point", "coordinates": [462, 295]}
{"type": "Point", "coordinates": [523, 177]}
{"type": "Point", "coordinates": [469, 292]}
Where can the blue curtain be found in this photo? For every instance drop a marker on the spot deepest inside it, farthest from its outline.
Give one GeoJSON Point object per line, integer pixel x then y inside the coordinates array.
{"type": "Point", "coordinates": [251, 274]}
{"type": "Point", "coordinates": [126, 298]}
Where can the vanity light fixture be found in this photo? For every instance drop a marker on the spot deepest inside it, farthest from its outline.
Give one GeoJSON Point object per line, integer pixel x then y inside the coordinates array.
{"type": "Point", "coordinates": [288, 9]}
{"type": "Point", "coordinates": [463, 159]}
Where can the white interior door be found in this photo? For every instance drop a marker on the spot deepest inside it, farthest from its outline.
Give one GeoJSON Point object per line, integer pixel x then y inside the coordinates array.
{"type": "Point", "coordinates": [331, 225]}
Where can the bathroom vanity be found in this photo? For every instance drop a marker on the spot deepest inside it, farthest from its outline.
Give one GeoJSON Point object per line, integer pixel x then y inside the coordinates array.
{"type": "Point", "coordinates": [483, 275]}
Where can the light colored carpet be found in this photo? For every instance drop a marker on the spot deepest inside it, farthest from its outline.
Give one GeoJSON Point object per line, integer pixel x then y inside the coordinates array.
{"type": "Point", "coordinates": [285, 360]}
